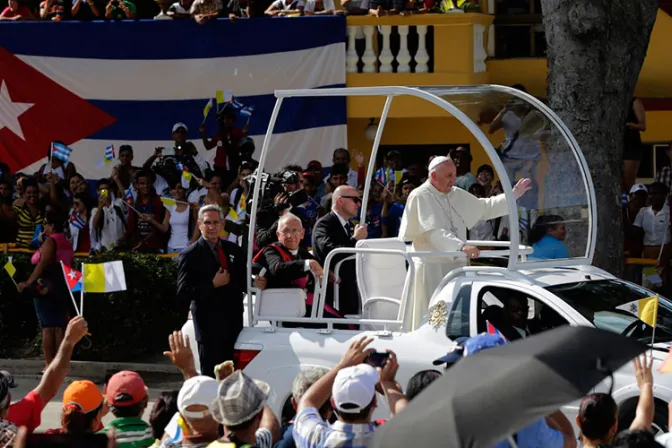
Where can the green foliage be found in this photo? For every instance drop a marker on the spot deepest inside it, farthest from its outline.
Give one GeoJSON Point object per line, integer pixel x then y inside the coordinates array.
{"type": "Point", "coordinates": [124, 326]}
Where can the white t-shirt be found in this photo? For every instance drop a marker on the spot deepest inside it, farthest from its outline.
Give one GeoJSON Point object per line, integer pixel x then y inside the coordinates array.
{"type": "Point", "coordinates": [327, 5]}
{"type": "Point", "coordinates": [162, 16]}
{"type": "Point", "coordinates": [177, 8]}
{"type": "Point", "coordinates": [179, 227]}
{"type": "Point", "coordinates": [656, 227]}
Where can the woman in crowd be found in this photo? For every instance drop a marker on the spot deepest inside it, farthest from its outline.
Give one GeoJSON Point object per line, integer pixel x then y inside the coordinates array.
{"type": "Point", "coordinates": [29, 215]}
{"type": "Point", "coordinates": [178, 221]}
{"type": "Point", "coordinates": [47, 284]}
{"type": "Point", "coordinates": [80, 218]}
{"type": "Point", "coordinates": [548, 236]}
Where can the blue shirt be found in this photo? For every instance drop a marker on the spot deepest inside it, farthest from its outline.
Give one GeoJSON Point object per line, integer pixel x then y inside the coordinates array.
{"type": "Point", "coordinates": [393, 219]}
{"type": "Point", "coordinates": [536, 435]}
{"type": "Point", "coordinates": [548, 248]}
{"type": "Point", "coordinates": [373, 221]}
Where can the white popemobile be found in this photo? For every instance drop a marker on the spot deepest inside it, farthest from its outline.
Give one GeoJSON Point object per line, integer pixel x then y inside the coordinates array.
{"type": "Point", "coordinates": [565, 291]}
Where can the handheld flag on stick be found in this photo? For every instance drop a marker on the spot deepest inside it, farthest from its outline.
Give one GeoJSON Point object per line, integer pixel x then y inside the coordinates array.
{"type": "Point", "coordinates": [206, 110]}
{"type": "Point", "coordinates": [61, 152]}
{"type": "Point", "coordinates": [235, 103]}
{"type": "Point", "coordinates": [104, 277]}
{"type": "Point", "coordinates": [77, 222]}
{"type": "Point", "coordinates": [73, 279]}
{"type": "Point", "coordinates": [398, 175]}
{"type": "Point", "coordinates": [186, 178]}
{"type": "Point", "coordinates": [247, 111]}
{"type": "Point", "coordinates": [109, 154]}
{"type": "Point", "coordinates": [169, 202]}
{"type": "Point", "coordinates": [491, 329]}
{"type": "Point", "coordinates": [11, 270]}
{"type": "Point", "coordinates": [219, 96]}
{"type": "Point", "coordinates": [645, 309]}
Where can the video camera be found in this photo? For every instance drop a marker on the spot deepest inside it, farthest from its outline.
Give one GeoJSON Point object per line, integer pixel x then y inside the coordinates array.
{"type": "Point", "coordinates": [271, 186]}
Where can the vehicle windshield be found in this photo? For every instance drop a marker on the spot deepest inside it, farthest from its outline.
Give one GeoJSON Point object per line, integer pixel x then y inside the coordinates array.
{"type": "Point", "coordinates": [602, 303]}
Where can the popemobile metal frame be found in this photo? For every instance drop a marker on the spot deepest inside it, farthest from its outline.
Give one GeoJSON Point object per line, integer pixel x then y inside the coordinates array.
{"type": "Point", "coordinates": [439, 96]}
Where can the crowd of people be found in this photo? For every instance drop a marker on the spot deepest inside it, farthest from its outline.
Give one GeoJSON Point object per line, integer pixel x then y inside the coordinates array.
{"type": "Point", "coordinates": [330, 407]}
{"type": "Point", "coordinates": [204, 10]}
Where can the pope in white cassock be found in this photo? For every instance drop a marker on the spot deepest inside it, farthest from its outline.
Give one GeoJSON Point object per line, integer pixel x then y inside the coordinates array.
{"type": "Point", "coordinates": [436, 218]}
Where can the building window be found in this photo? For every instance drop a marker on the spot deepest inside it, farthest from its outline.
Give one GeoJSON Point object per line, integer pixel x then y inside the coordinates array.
{"type": "Point", "coordinates": [519, 29]}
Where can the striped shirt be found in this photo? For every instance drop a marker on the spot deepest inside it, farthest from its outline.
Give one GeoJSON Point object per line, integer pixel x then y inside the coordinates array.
{"type": "Point", "coordinates": [310, 431]}
{"type": "Point", "coordinates": [26, 225]}
{"type": "Point", "coordinates": [131, 432]}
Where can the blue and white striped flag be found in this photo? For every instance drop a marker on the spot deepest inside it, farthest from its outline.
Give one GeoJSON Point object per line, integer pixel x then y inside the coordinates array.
{"type": "Point", "coordinates": [235, 103]}
{"type": "Point", "coordinates": [247, 111]}
{"type": "Point", "coordinates": [61, 152]}
{"type": "Point", "coordinates": [77, 222]}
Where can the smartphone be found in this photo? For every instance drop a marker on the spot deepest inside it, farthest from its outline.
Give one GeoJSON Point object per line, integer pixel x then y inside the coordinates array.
{"type": "Point", "coordinates": [83, 440]}
{"type": "Point", "coordinates": [377, 359]}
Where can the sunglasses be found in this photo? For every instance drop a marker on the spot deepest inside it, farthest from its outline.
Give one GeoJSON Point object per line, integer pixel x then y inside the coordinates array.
{"type": "Point", "coordinates": [355, 199]}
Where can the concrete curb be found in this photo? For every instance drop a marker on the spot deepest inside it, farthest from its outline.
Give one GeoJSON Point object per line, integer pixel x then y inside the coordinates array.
{"type": "Point", "coordinates": [94, 371]}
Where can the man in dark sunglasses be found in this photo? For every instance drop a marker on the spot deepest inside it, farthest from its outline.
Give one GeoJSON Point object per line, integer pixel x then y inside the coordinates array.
{"type": "Point", "coordinates": [335, 230]}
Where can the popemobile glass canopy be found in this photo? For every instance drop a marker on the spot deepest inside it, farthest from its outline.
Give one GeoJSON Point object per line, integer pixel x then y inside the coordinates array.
{"type": "Point", "coordinates": [536, 144]}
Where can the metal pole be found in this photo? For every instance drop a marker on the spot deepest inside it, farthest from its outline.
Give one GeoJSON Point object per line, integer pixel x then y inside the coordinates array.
{"type": "Point", "coordinates": [372, 160]}
{"type": "Point", "coordinates": [255, 203]}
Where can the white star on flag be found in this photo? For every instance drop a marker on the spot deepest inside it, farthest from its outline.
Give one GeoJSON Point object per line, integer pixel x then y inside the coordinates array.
{"type": "Point", "coordinates": [72, 275]}
{"type": "Point", "coordinates": [10, 112]}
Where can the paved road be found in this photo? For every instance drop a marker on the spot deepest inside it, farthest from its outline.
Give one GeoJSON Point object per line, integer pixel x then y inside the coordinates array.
{"type": "Point", "coordinates": [51, 416]}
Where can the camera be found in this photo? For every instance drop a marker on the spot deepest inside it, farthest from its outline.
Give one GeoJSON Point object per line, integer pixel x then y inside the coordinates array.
{"type": "Point", "coordinates": [271, 186]}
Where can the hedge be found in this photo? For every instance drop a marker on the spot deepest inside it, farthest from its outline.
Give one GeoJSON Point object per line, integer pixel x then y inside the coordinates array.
{"type": "Point", "coordinates": [124, 326]}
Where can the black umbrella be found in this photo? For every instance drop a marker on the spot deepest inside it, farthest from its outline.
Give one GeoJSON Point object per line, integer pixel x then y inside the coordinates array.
{"type": "Point", "coordinates": [489, 396]}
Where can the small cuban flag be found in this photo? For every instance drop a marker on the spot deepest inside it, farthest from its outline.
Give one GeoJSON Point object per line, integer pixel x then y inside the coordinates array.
{"type": "Point", "coordinates": [77, 222]}
{"type": "Point", "coordinates": [491, 329]}
{"type": "Point", "coordinates": [235, 103]}
{"type": "Point", "coordinates": [109, 154]}
{"type": "Point", "coordinates": [128, 195]}
{"type": "Point", "coordinates": [247, 111]}
{"type": "Point", "coordinates": [73, 278]}
{"type": "Point", "coordinates": [61, 152]}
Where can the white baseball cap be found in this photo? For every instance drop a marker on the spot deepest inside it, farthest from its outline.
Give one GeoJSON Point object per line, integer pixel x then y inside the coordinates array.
{"type": "Point", "coordinates": [355, 386]}
{"type": "Point", "coordinates": [436, 161]}
{"type": "Point", "coordinates": [638, 187]}
{"type": "Point", "coordinates": [177, 126]}
{"type": "Point", "coordinates": [198, 390]}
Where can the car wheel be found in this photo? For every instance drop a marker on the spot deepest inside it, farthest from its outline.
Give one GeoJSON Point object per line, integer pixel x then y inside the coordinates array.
{"type": "Point", "coordinates": [627, 415]}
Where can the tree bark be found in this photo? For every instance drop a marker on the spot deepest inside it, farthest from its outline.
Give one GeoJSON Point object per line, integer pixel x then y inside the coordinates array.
{"type": "Point", "coordinates": [595, 52]}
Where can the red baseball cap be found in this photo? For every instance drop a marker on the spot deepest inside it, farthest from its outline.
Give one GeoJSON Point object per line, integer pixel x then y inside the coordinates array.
{"type": "Point", "coordinates": [125, 388]}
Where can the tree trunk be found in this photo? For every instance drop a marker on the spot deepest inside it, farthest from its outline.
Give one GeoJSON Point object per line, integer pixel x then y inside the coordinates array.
{"type": "Point", "coordinates": [596, 50]}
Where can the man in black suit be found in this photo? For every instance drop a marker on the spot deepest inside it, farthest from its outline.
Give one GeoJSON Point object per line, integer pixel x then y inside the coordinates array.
{"type": "Point", "coordinates": [211, 275]}
{"type": "Point", "coordinates": [335, 230]}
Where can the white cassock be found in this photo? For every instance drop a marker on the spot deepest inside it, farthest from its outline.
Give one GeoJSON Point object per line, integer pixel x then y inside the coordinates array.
{"type": "Point", "coordinates": [438, 222]}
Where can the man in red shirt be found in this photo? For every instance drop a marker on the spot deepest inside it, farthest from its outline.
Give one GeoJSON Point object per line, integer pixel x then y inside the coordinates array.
{"type": "Point", "coordinates": [140, 234]}
{"type": "Point", "coordinates": [16, 11]}
{"type": "Point", "coordinates": [227, 140]}
{"type": "Point", "coordinates": [28, 411]}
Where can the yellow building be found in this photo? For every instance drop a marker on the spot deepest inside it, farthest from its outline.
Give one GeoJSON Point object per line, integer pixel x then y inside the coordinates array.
{"type": "Point", "coordinates": [495, 47]}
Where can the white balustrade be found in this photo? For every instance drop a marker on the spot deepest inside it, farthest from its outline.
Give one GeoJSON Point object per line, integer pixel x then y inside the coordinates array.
{"type": "Point", "coordinates": [369, 57]}
{"type": "Point", "coordinates": [479, 49]}
{"type": "Point", "coordinates": [491, 41]}
{"type": "Point", "coordinates": [382, 60]}
{"type": "Point", "coordinates": [385, 55]}
{"type": "Point", "coordinates": [421, 56]}
{"type": "Point", "coordinates": [403, 57]}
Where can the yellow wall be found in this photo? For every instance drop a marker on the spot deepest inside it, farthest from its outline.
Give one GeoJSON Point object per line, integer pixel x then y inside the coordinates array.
{"type": "Point", "coordinates": [654, 79]}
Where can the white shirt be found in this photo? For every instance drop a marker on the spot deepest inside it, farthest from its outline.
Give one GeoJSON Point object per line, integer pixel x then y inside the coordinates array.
{"type": "Point", "coordinates": [343, 223]}
{"type": "Point", "coordinates": [113, 227]}
{"type": "Point", "coordinates": [179, 228]}
{"type": "Point", "coordinates": [328, 5]}
{"type": "Point", "coordinates": [285, 5]}
{"type": "Point", "coordinates": [656, 227]}
{"type": "Point", "coordinates": [162, 16]}
{"type": "Point", "coordinates": [178, 9]}
{"type": "Point", "coordinates": [482, 231]}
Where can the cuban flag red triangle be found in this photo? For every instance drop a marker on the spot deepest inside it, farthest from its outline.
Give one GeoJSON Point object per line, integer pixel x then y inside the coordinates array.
{"type": "Point", "coordinates": [35, 110]}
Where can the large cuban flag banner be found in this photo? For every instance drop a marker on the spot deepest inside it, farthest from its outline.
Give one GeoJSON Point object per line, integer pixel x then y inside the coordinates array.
{"type": "Point", "coordinates": [94, 84]}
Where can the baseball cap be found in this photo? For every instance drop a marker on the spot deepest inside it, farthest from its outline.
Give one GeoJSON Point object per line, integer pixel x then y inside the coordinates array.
{"type": "Point", "coordinates": [84, 396]}
{"type": "Point", "coordinates": [125, 388]}
{"type": "Point", "coordinates": [482, 342]}
{"type": "Point", "coordinates": [354, 386]}
{"type": "Point", "coordinates": [199, 390]}
{"type": "Point", "coordinates": [638, 187]}
{"type": "Point", "coordinates": [177, 126]}
{"type": "Point", "coordinates": [239, 399]}
{"type": "Point", "coordinates": [455, 352]}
